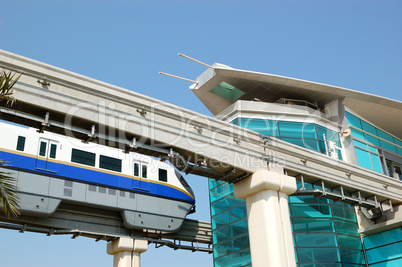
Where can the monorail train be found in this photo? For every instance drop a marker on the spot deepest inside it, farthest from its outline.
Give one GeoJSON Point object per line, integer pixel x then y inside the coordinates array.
{"type": "Point", "coordinates": [51, 169]}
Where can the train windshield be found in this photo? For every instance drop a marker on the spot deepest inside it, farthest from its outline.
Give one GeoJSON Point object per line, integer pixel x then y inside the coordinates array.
{"type": "Point", "coordinates": [184, 182]}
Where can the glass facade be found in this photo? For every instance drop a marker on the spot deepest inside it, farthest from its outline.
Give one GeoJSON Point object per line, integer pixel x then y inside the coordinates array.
{"type": "Point", "coordinates": [308, 135]}
{"type": "Point", "coordinates": [384, 249]}
{"type": "Point", "coordinates": [369, 141]}
{"type": "Point", "coordinates": [325, 233]}
{"type": "Point", "coordinates": [229, 226]}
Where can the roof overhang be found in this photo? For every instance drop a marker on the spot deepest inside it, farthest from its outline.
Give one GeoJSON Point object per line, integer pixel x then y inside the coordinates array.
{"type": "Point", "coordinates": [380, 111]}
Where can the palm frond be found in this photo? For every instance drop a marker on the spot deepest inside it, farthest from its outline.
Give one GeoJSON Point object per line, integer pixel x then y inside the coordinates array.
{"type": "Point", "coordinates": [8, 193]}
{"type": "Point", "coordinates": [7, 81]}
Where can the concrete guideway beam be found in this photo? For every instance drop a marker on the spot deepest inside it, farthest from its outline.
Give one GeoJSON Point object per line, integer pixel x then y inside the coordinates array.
{"type": "Point", "coordinates": [126, 251]}
{"type": "Point", "coordinates": [270, 232]}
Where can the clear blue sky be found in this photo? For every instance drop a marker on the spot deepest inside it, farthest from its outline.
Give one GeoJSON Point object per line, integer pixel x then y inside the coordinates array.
{"type": "Point", "coordinates": [352, 44]}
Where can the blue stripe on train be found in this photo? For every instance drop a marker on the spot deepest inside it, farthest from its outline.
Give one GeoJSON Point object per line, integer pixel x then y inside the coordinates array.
{"type": "Point", "coordinates": [91, 176]}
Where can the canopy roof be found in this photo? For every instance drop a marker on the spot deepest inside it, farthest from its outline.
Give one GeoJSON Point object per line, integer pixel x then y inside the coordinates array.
{"type": "Point", "coordinates": [220, 86]}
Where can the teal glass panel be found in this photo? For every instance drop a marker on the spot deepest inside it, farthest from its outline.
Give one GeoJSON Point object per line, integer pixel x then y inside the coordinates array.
{"type": "Point", "coordinates": [229, 216]}
{"type": "Point", "coordinates": [309, 144]}
{"type": "Point", "coordinates": [310, 210]}
{"type": "Point", "coordinates": [329, 134]}
{"type": "Point", "coordinates": [383, 238]}
{"type": "Point", "coordinates": [318, 255]}
{"type": "Point", "coordinates": [388, 146]}
{"type": "Point", "coordinates": [360, 144]}
{"type": "Point", "coordinates": [213, 183]}
{"type": "Point", "coordinates": [322, 265]}
{"type": "Point", "coordinates": [234, 245]}
{"type": "Point", "coordinates": [239, 259]}
{"type": "Point", "coordinates": [306, 185]}
{"type": "Point", "coordinates": [385, 136]}
{"type": "Point", "coordinates": [341, 204]}
{"type": "Point", "coordinates": [220, 191]}
{"type": "Point", "coordinates": [344, 213]}
{"type": "Point", "coordinates": [390, 263]}
{"type": "Point", "coordinates": [322, 147]}
{"type": "Point", "coordinates": [297, 130]}
{"type": "Point", "coordinates": [346, 241]}
{"type": "Point", "coordinates": [225, 203]}
{"type": "Point", "coordinates": [353, 265]}
{"type": "Point", "coordinates": [235, 122]}
{"type": "Point", "coordinates": [372, 139]}
{"type": "Point", "coordinates": [375, 159]}
{"type": "Point", "coordinates": [308, 199]}
{"type": "Point", "coordinates": [363, 158]}
{"type": "Point", "coordinates": [344, 227]}
{"type": "Point", "coordinates": [353, 120]}
{"type": "Point", "coordinates": [301, 225]}
{"type": "Point", "coordinates": [368, 128]}
{"type": "Point", "coordinates": [384, 253]}
{"type": "Point", "coordinates": [230, 231]}
{"type": "Point", "coordinates": [316, 240]}
{"type": "Point", "coordinates": [352, 256]}
{"type": "Point", "coordinates": [339, 154]}
{"type": "Point", "coordinates": [398, 142]}
{"type": "Point", "coordinates": [265, 127]}
{"type": "Point", "coordinates": [373, 149]}
{"type": "Point", "coordinates": [357, 133]}
{"type": "Point", "coordinates": [227, 91]}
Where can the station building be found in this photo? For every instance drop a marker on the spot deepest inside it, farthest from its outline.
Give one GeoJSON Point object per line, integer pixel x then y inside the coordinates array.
{"type": "Point", "coordinates": [331, 122]}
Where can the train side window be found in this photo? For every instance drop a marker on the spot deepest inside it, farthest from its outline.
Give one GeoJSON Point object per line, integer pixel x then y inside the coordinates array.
{"type": "Point", "coordinates": [42, 149]}
{"type": "Point", "coordinates": [53, 150]}
{"type": "Point", "coordinates": [136, 169]}
{"type": "Point", "coordinates": [21, 143]}
{"type": "Point", "coordinates": [163, 175]}
{"type": "Point", "coordinates": [83, 157]}
{"type": "Point", "coordinates": [109, 163]}
{"type": "Point", "coordinates": [144, 171]}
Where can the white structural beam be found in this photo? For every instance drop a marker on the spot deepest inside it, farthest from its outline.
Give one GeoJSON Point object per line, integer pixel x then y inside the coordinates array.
{"type": "Point", "coordinates": [270, 232]}
{"type": "Point", "coordinates": [126, 251]}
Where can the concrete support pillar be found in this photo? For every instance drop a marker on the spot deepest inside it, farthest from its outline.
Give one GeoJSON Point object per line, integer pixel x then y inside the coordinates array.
{"type": "Point", "coordinates": [270, 232]}
{"type": "Point", "coordinates": [126, 251]}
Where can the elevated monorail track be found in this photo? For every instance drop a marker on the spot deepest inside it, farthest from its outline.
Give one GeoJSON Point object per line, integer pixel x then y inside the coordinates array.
{"type": "Point", "coordinates": [194, 235]}
{"type": "Point", "coordinates": [51, 99]}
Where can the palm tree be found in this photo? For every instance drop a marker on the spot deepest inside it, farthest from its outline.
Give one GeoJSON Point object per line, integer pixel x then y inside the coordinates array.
{"type": "Point", "coordinates": [8, 187]}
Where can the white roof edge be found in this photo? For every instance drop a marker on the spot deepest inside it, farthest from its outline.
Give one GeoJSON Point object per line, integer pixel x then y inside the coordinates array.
{"type": "Point", "coordinates": [296, 80]}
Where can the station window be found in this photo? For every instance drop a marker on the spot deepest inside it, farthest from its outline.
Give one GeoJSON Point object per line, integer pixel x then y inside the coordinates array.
{"type": "Point", "coordinates": [307, 135]}
{"type": "Point", "coordinates": [21, 143]}
{"type": "Point", "coordinates": [110, 163]}
{"type": "Point", "coordinates": [83, 157]}
{"type": "Point", "coordinates": [163, 175]}
{"type": "Point", "coordinates": [368, 156]}
{"type": "Point", "coordinates": [367, 132]}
